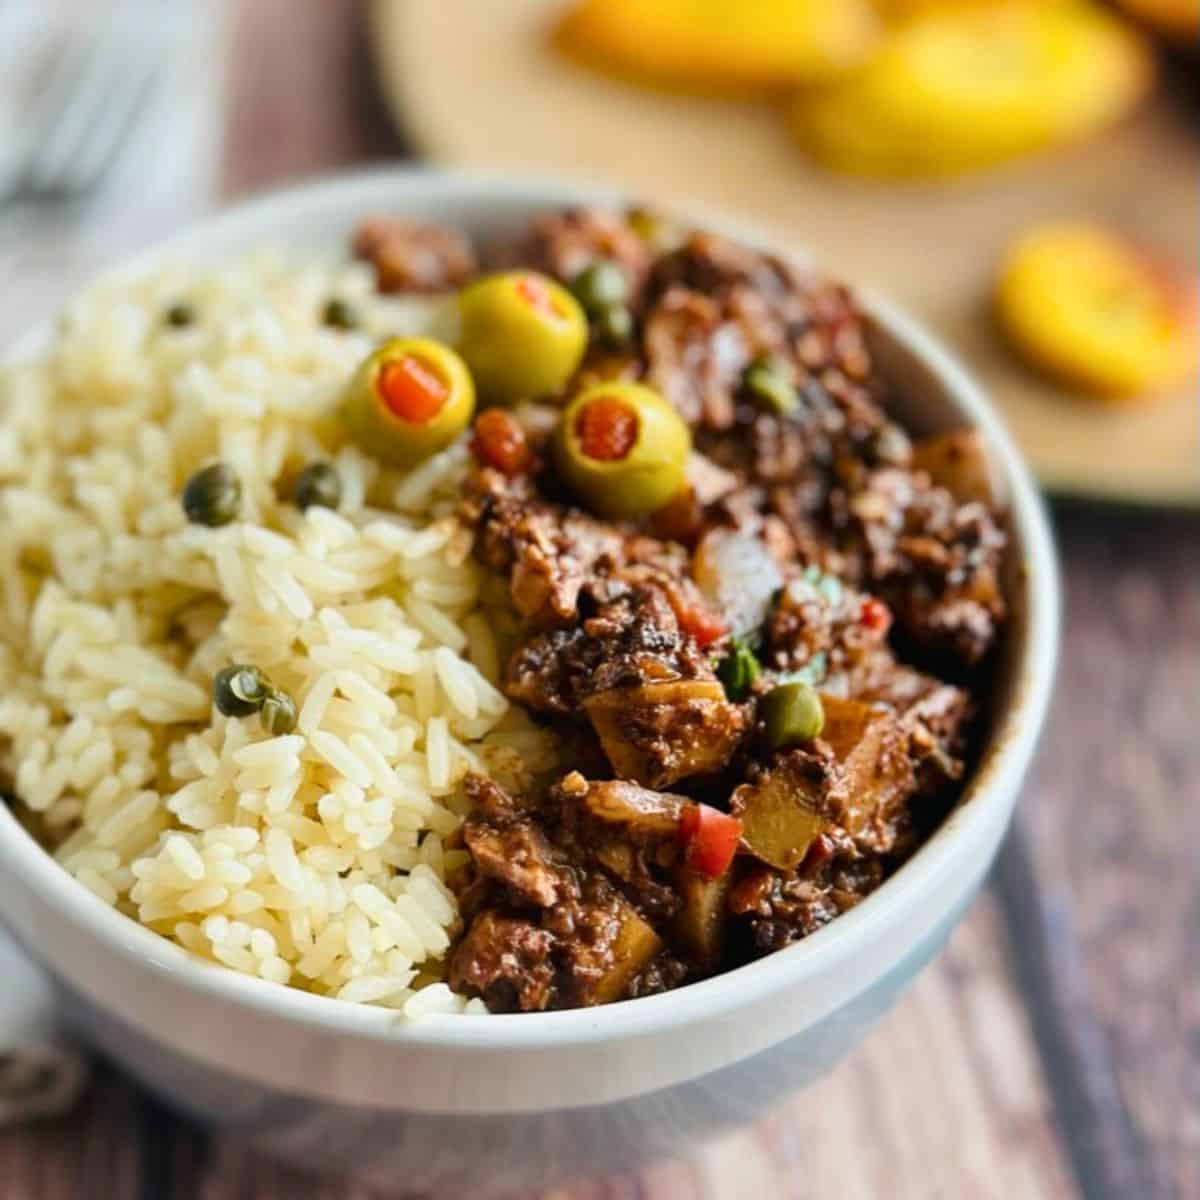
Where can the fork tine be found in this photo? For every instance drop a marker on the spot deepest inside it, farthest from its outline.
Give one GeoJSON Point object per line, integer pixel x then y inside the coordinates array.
{"type": "Point", "coordinates": [66, 134]}
{"type": "Point", "coordinates": [50, 101]}
{"type": "Point", "coordinates": [109, 134]}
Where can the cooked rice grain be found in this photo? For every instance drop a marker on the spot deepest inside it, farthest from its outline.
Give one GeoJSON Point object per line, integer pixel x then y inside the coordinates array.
{"type": "Point", "coordinates": [317, 859]}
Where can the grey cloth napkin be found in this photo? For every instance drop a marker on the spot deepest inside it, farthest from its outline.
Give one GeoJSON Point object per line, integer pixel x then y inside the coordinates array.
{"type": "Point", "coordinates": [167, 177]}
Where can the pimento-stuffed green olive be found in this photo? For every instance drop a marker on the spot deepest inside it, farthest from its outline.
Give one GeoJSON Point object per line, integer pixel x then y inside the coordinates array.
{"type": "Point", "coordinates": [408, 400]}
{"type": "Point", "coordinates": [522, 335]}
{"type": "Point", "coordinates": [622, 449]}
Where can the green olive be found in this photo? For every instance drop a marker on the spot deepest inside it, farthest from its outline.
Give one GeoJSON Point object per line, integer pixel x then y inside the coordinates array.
{"type": "Point", "coordinates": [278, 713]}
{"type": "Point", "coordinates": [239, 690]}
{"type": "Point", "coordinates": [522, 335]}
{"type": "Point", "coordinates": [212, 496]}
{"type": "Point", "coordinates": [408, 400]}
{"type": "Point", "coordinates": [599, 286]}
{"type": "Point", "coordinates": [622, 449]}
{"type": "Point", "coordinates": [792, 714]}
{"type": "Point", "coordinates": [318, 484]}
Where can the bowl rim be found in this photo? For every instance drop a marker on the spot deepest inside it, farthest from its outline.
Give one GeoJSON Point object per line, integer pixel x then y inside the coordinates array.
{"type": "Point", "coordinates": [989, 795]}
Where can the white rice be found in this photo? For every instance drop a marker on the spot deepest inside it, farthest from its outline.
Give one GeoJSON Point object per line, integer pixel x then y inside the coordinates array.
{"type": "Point", "coordinates": [318, 859]}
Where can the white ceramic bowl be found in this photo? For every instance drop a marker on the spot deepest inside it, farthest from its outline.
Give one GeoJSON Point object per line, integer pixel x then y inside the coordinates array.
{"type": "Point", "coordinates": [515, 1100]}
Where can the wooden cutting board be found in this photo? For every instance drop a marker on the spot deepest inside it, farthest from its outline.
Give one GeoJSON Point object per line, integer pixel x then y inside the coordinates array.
{"type": "Point", "coordinates": [475, 82]}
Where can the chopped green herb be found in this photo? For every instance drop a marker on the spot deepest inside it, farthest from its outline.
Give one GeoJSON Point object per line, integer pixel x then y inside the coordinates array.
{"type": "Point", "coordinates": [738, 670]}
{"type": "Point", "coordinates": [830, 587]}
{"type": "Point", "coordinates": [813, 672]}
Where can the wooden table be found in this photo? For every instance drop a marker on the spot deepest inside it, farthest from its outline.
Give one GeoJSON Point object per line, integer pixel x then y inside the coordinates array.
{"type": "Point", "coordinates": [1054, 1051]}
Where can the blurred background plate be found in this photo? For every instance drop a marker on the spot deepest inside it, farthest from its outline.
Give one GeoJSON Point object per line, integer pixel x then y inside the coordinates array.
{"type": "Point", "coordinates": [931, 246]}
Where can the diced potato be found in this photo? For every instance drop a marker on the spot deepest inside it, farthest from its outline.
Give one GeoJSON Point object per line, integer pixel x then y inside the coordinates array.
{"type": "Point", "coordinates": [640, 811]}
{"type": "Point", "coordinates": [658, 733]}
{"type": "Point", "coordinates": [958, 462]}
{"type": "Point", "coordinates": [780, 815]}
{"type": "Point", "coordinates": [635, 945]}
{"type": "Point", "coordinates": [876, 773]}
{"type": "Point", "coordinates": [703, 921]}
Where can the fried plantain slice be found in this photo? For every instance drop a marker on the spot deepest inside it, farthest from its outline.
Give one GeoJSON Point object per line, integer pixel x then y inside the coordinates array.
{"type": "Point", "coordinates": [1093, 309]}
{"type": "Point", "coordinates": [959, 90]}
{"type": "Point", "coordinates": [1176, 19]}
{"type": "Point", "coordinates": [717, 45]}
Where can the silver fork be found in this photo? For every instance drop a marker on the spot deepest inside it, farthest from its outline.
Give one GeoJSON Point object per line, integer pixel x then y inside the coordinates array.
{"type": "Point", "coordinates": [91, 103]}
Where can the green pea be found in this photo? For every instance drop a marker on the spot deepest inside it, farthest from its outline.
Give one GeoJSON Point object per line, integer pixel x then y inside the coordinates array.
{"type": "Point", "coordinates": [340, 314]}
{"type": "Point", "coordinates": [600, 286]}
{"type": "Point", "coordinates": [278, 713]}
{"type": "Point", "coordinates": [738, 670]}
{"type": "Point", "coordinates": [318, 484]}
{"type": "Point", "coordinates": [792, 715]}
{"type": "Point", "coordinates": [212, 496]}
{"type": "Point", "coordinates": [766, 383]}
{"type": "Point", "coordinates": [239, 690]}
{"type": "Point", "coordinates": [180, 315]}
{"type": "Point", "coordinates": [614, 327]}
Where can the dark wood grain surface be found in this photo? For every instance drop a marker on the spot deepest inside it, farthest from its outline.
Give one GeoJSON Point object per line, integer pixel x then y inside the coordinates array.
{"type": "Point", "coordinates": [1054, 1051]}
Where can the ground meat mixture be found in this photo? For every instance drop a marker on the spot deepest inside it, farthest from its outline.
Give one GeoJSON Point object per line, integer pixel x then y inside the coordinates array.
{"type": "Point", "coordinates": [563, 244]}
{"type": "Point", "coordinates": [935, 559]}
{"type": "Point", "coordinates": [769, 683]}
{"type": "Point", "coordinates": [408, 257]}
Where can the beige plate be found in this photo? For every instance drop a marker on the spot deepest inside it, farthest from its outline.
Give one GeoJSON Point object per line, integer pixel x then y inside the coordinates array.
{"type": "Point", "coordinates": [473, 82]}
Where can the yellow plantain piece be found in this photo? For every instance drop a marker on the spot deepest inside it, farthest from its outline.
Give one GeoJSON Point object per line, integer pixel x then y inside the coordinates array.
{"type": "Point", "coordinates": [957, 91]}
{"type": "Point", "coordinates": [900, 10]}
{"type": "Point", "coordinates": [720, 45]}
{"type": "Point", "coordinates": [1092, 309]}
{"type": "Point", "coordinates": [1178, 19]}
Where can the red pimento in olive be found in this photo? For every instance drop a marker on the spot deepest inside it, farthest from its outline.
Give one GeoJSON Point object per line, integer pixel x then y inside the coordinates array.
{"type": "Point", "coordinates": [522, 334]}
{"type": "Point", "coordinates": [411, 390]}
{"type": "Point", "coordinates": [622, 449]}
{"type": "Point", "coordinates": [607, 429]}
{"type": "Point", "coordinates": [710, 839]}
{"type": "Point", "coordinates": [501, 442]}
{"type": "Point", "coordinates": [408, 400]}
{"type": "Point", "coordinates": [533, 290]}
